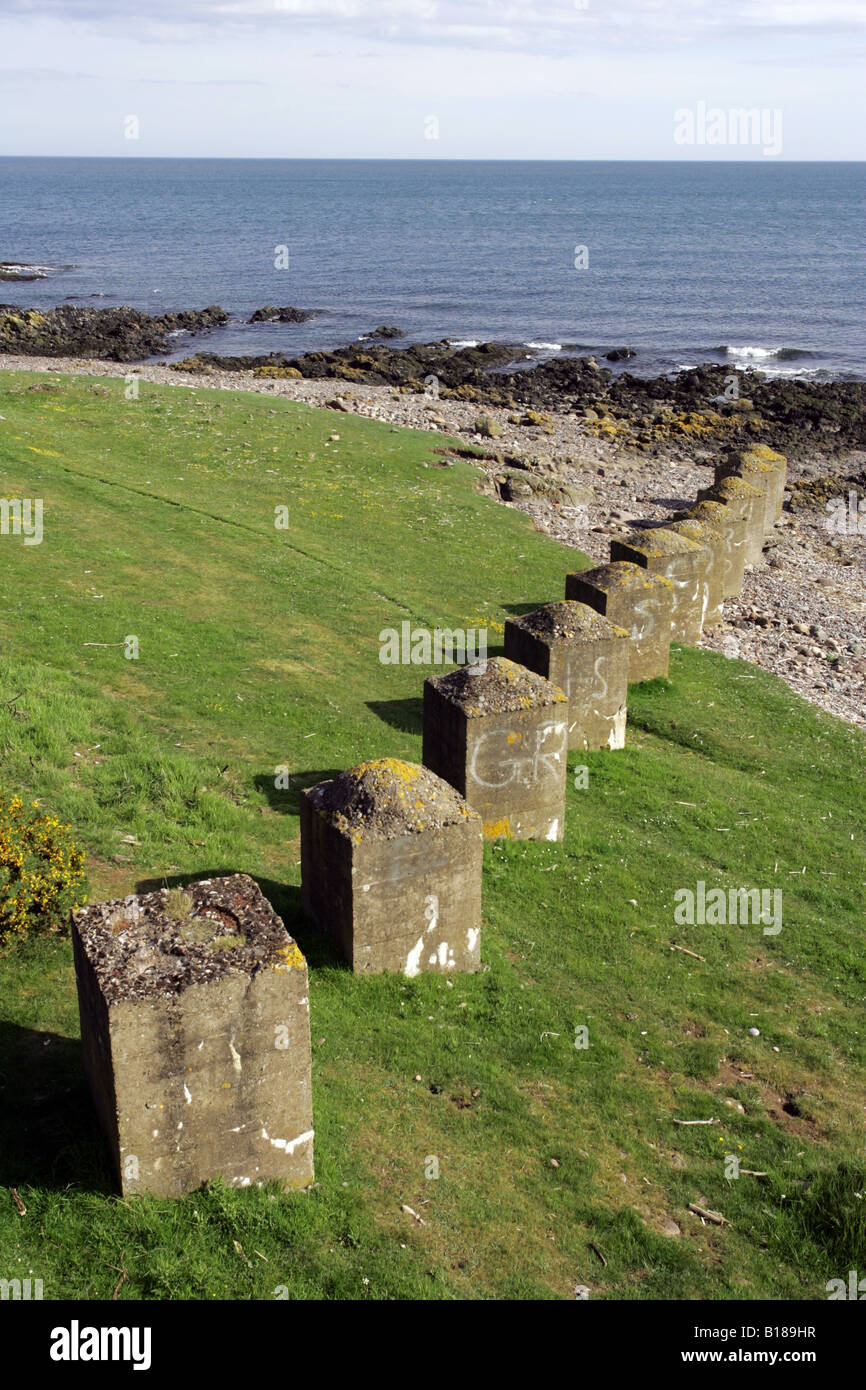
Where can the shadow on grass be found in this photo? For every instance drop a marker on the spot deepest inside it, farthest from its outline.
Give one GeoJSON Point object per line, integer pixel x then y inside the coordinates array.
{"type": "Point", "coordinates": [405, 715]}
{"type": "Point", "coordinates": [285, 899]}
{"type": "Point", "coordinates": [288, 800]}
{"type": "Point", "coordinates": [518, 609]}
{"type": "Point", "coordinates": [49, 1131]}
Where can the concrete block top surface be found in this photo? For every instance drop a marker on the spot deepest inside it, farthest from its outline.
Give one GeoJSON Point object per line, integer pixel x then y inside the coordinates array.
{"type": "Point", "coordinates": [569, 621]}
{"type": "Point", "coordinates": [502, 687]}
{"type": "Point", "coordinates": [715, 513]}
{"type": "Point", "coordinates": [756, 453]}
{"type": "Point", "coordinates": [623, 575]}
{"type": "Point", "coordinates": [731, 487]}
{"type": "Point", "coordinates": [702, 530]}
{"type": "Point", "coordinates": [387, 797]}
{"type": "Point", "coordinates": [658, 543]}
{"type": "Point", "coordinates": [156, 945]}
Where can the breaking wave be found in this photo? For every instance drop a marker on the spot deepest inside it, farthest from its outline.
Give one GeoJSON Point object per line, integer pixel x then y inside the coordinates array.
{"type": "Point", "coordinates": [750, 352]}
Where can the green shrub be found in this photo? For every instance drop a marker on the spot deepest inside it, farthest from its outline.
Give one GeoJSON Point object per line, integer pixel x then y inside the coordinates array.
{"type": "Point", "coordinates": [41, 871]}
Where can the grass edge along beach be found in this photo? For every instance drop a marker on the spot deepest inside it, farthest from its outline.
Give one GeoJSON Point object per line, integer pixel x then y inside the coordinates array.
{"type": "Point", "coordinates": [557, 1166]}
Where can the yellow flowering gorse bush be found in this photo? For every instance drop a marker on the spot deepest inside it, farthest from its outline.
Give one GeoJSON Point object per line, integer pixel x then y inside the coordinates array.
{"type": "Point", "coordinates": [41, 871]}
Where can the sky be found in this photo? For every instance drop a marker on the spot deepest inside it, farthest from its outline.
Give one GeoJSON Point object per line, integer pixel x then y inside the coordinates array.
{"type": "Point", "coordinates": [434, 79]}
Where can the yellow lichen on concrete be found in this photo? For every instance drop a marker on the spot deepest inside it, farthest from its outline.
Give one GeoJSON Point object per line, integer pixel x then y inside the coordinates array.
{"type": "Point", "coordinates": [386, 767]}
{"type": "Point", "coordinates": [738, 487]}
{"type": "Point", "coordinates": [288, 957]}
{"type": "Point", "coordinates": [497, 829]}
{"type": "Point", "coordinates": [762, 452]}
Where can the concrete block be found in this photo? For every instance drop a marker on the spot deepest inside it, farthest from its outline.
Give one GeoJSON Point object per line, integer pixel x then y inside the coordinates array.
{"type": "Point", "coordinates": [391, 869]}
{"type": "Point", "coordinates": [712, 538]}
{"type": "Point", "coordinates": [637, 600]}
{"type": "Point", "coordinates": [195, 1023]}
{"type": "Point", "coordinates": [746, 503]}
{"type": "Point", "coordinates": [765, 470]}
{"type": "Point", "coordinates": [733, 529]}
{"type": "Point", "coordinates": [501, 738]}
{"type": "Point", "coordinates": [681, 561]}
{"type": "Point", "coordinates": [584, 654]}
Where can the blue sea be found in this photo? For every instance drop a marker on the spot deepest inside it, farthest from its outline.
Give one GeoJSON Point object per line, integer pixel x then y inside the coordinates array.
{"type": "Point", "coordinates": [747, 264]}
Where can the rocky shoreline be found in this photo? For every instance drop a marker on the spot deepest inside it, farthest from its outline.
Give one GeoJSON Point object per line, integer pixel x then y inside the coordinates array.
{"type": "Point", "coordinates": [802, 613]}
{"type": "Point", "coordinates": [709, 406]}
{"type": "Point", "coordinates": [114, 335]}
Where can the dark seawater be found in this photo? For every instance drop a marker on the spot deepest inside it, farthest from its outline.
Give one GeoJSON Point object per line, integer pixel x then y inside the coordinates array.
{"type": "Point", "coordinates": [750, 264]}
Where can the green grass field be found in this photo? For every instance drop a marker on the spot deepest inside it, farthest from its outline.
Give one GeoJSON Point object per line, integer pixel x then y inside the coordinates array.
{"type": "Point", "coordinates": [258, 649]}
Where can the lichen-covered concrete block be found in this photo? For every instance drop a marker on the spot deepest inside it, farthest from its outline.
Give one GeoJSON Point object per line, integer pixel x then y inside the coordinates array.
{"type": "Point", "coordinates": [500, 736]}
{"type": "Point", "coordinates": [747, 505]}
{"type": "Point", "coordinates": [638, 601]}
{"type": "Point", "coordinates": [681, 561]}
{"type": "Point", "coordinates": [195, 1024]}
{"type": "Point", "coordinates": [733, 529]}
{"type": "Point", "coordinates": [765, 470]}
{"type": "Point", "coordinates": [587, 656]}
{"type": "Point", "coordinates": [391, 869]}
{"type": "Point", "coordinates": [710, 536]}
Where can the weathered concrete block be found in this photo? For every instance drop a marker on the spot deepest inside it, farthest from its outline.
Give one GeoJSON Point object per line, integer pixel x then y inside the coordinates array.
{"type": "Point", "coordinates": [636, 600]}
{"type": "Point", "coordinates": [681, 561]}
{"type": "Point", "coordinates": [733, 529]}
{"type": "Point", "coordinates": [765, 470]}
{"type": "Point", "coordinates": [501, 738]}
{"type": "Point", "coordinates": [587, 656]}
{"type": "Point", "coordinates": [746, 504]}
{"type": "Point", "coordinates": [195, 1023]}
{"type": "Point", "coordinates": [712, 538]}
{"type": "Point", "coordinates": [391, 868]}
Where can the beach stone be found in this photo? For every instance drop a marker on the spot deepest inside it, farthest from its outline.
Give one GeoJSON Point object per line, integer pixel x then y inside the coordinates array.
{"type": "Point", "coordinates": [500, 736]}
{"type": "Point", "coordinates": [195, 1026]}
{"type": "Point", "coordinates": [712, 538]}
{"type": "Point", "coordinates": [733, 529]}
{"type": "Point", "coordinates": [765, 470]}
{"type": "Point", "coordinates": [636, 600]}
{"type": "Point", "coordinates": [681, 561]}
{"type": "Point", "coordinates": [391, 869]}
{"type": "Point", "coordinates": [746, 504]}
{"type": "Point", "coordinates": [587, 656]}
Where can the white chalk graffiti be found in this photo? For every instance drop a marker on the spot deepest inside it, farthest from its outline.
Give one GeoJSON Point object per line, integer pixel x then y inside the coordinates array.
{"type": "Point", "coordinates": [705, 600]}
{"type": "Point", "coordinates": [444, 955]}
{"type": "Point", "coordinates": [537, 765]}
{"type": "Point", "coordinates": [596, 693]}
{"type": "Point", "coordinates": [431, 917]}
{"type": "Point", "coordinates": [646, 610]}
{"type": "Point", "coordinates": [680, 599]}
{"type": "Point", "coordinates": [413, 960]}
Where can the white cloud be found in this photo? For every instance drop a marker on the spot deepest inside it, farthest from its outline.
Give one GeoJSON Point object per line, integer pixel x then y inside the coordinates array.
{"type": "Point", "coordinates": [551, 26]}
{"type": "Point", "coordinates": [543, 79]}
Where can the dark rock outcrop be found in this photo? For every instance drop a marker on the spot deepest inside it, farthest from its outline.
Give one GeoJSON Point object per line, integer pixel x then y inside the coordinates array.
{"type": "Point", "coordinates": [287, 314]}
{"type": "Point", "coordinates": [385, 330]}
{"type": "Point", "coordinates": [117, 335]}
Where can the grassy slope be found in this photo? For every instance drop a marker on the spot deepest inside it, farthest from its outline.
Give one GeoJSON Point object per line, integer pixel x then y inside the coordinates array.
{"type": "Point", "coordinates": [258, 649]}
